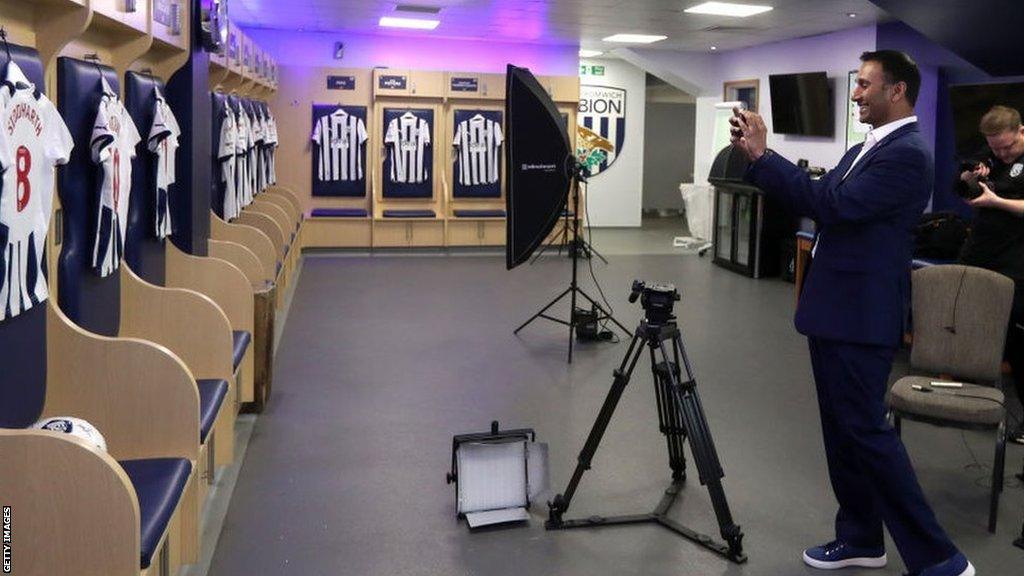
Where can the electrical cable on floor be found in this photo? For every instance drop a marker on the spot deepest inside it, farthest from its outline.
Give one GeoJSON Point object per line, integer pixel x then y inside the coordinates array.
{"type": "Point", "coordinates": [590, 264]}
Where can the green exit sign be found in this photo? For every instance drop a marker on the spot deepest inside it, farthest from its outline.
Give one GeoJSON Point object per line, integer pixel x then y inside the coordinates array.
{"type": "Point", "coordinates": [591, 70]}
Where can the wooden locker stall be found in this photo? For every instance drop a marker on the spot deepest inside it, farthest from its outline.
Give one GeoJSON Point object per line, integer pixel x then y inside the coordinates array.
{"type": "Point", "coordinates": [299, 90]}
{"type": "Point", "coordinates": [396, 90]}
{"type": "Point", "coordinates": [473, 221]}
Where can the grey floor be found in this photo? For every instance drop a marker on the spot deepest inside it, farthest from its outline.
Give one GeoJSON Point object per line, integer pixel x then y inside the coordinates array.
{"type": "Point", "coordinates": [384, 358]}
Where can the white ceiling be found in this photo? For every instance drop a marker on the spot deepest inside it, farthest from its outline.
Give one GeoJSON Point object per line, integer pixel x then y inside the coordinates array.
{"type": "Point", "coordinates": [573, 22]}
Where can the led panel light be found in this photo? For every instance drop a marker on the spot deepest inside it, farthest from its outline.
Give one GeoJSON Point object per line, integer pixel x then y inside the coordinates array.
{"type": "Point", "coordinates": [413, 23]}
{"type": "Point", "coordinates": [635, 38]}
{"type": "Point", "coordinates": [728, 9]}
{"type": "Point", "coordinates": [590, 53]}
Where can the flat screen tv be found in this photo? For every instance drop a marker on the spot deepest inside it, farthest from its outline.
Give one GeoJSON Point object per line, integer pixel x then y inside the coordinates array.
{"type": "Point", "coordinates": [970, 102]}
{"type": "Point", "coordinates": [801, 104]}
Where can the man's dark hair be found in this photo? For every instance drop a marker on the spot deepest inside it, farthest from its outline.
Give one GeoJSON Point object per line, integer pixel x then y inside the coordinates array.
{"type": "Point", "coordinates": [897, 67]}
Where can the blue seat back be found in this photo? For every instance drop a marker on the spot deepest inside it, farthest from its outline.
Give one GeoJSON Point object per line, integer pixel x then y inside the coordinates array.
{"type": "Point", "coordinates": [143, 252]}
{"type": "Point", "coordinates": [88, 300]}
{"type": "Point", "coordinates": [23, 337]}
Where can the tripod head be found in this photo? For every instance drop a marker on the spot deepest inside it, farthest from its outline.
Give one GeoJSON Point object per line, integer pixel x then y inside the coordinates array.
{"type": "Point", "coordinates": [657, 300]}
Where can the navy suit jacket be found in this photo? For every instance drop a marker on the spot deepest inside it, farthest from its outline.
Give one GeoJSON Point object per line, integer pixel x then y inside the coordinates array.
{"type": "Point", "coordinates": [858, 288]}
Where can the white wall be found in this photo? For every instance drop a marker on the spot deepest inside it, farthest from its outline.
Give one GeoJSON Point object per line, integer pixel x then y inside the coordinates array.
{"type": "Point", "coordinates": [615, 196]}
{"type": "Point", "coordinates": [836, 53]}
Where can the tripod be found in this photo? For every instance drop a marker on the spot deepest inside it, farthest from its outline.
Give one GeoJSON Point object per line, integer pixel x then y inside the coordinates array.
{"type": "Point", "coordinates": [573, 290]}
{"type": "Point", "coordinates": [680, 417]}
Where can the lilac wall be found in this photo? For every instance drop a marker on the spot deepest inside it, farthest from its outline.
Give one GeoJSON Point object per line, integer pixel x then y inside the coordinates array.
{"type": "Point", "coordinates": [414, 52]}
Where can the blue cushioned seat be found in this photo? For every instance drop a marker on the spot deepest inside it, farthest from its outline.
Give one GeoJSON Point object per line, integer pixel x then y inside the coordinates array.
{"type": "Point", "coordinates": [479, 213]}
{"type": "Point", "coordinates": [211, 396]}
{"type": "Point", "coordinates": [241, 344]}
{"type": "Point", "coordinates": [409, 214]}
{"type": "Point", "coordinates": [339, 213]}
{"type": "Point", "coordinates": [158, 483]}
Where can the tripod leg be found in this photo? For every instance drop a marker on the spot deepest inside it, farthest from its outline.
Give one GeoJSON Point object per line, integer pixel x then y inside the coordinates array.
{"type": "Point", "coordinates": [560, 504]}
{"type": "Point", "coordinates": [702, 446]}
{"type": "Point", "coordinates": [669, 418]}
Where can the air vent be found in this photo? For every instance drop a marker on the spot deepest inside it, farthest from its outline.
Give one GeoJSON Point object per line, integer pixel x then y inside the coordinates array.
{"type": "Point", "coordinates": [417, 9]}
{"type": "Point", "coordinates": [730, 29]}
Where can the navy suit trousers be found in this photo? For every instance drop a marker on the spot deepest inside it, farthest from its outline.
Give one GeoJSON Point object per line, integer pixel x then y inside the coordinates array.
{"type": "Point", "coordinates": [871, 473]}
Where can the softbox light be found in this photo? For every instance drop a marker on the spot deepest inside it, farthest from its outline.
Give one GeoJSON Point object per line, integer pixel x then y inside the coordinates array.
{"type": "Point", "coordinates": [539, 161]}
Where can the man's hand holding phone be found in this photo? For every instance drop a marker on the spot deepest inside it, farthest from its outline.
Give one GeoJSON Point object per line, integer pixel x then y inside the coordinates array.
{"type": "Point", "coordinates": [748, 133]}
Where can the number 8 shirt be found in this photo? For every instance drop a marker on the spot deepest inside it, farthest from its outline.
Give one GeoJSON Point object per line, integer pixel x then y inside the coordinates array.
{"type": "Point", "coordinates": [33, 139]}
{"type": "Point", "coordinates": [114, 138]}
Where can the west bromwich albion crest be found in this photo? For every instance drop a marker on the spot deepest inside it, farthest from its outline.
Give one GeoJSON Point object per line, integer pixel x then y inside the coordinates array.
{"type": "Point", "coordinates": [601, 130]}
{"type": "Point", "coordinates": [1016, 169]}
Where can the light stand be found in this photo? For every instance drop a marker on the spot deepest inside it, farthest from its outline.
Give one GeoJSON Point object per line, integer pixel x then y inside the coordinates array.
{"type": "Point", "coordinates": [680, 417]}
{"type": "Point", "coordinates": [586, 249]}
{"type": "Point", "coordinates": [578, 175]}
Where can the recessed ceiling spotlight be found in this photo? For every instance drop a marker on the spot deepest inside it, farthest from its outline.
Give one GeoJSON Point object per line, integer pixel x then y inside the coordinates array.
{"type": "Point", "coordinates": [414, 23]}
{"type": "Point", "coordinates": [635, 38]}
{"type": "Point", "coordinates": [727, 9]}
{"type": "Point", "coordinates": [851, 14]}
{"type": "Point", "coordinates": [714, 47]}
{"type": "Point", "coordinates": [589, 53]}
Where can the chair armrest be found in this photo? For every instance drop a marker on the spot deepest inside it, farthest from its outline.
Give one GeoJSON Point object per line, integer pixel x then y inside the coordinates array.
{"type": "Point", "coordinates": [243, 259]}
{"type": "Point", "coordinates": [190, 324]}
{"type": "Point", "coordinates": [252, 238]}
{"type": "Point", "coordinates": [221, 281]}
{"type": "Point", "coordinates": [71, 506]}
{"type": "Point", "coordinates": [266, 225]}
{"type": "Point", "coordinates": [139, 395]}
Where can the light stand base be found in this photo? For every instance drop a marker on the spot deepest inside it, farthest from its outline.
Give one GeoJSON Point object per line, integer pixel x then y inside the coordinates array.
{"type": "Point", "coordinates": [732, 551]}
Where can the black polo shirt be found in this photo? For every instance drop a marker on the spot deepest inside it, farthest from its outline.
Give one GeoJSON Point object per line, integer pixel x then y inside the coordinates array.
{"type": "Point", "coordinates": [997, 236]}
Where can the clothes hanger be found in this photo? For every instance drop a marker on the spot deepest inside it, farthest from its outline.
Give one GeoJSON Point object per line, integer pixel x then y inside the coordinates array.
{"type": "Point", "coordinates": [148, 73]}
{"type": "Point", "coordinates": [13, 75]}
{"type": "Point", "coordinates": [7, 47]}
{"type": "Point", "coordinates": [104, 85]}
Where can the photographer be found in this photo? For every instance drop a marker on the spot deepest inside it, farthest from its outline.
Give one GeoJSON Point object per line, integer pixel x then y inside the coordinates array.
{"type": "Point", "coordinates": [995, 188]}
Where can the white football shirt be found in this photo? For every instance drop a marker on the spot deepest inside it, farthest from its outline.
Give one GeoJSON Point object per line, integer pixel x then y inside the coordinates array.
{"type": "Point", "coordinates": [409, 136]}
{"type": "Point", "coordinates": [273, 141]}
{"type": "Point", "coordinates": [339, 138]}
{"type": "Point", "coordinates": [242, 144]}
{"type": "Point", "coordinates": [477, 142]}
{"type": "Point", "coordinates": [33, 139]}
{"type": "Point", "coordinates": [114, 138]}
{"type": "Point", "coordinates": [226, 157]}
{"type": "Point", "coordinates": [163, 142]}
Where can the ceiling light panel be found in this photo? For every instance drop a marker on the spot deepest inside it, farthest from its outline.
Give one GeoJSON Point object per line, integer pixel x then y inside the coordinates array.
{"type": "Point", "coordinates": [634, 38]}
{"type": "Point", "coordinates": [728, 9]}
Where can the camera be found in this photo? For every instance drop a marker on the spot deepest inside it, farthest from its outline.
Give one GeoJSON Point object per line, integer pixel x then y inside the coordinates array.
{"type": "Point", "coordinates": [973, 188]}
{"type": "Point", "coordinates": [657, 300]}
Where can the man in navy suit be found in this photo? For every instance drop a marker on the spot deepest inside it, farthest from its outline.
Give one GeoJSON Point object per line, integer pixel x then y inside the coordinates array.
{"type": "Point", "coordinates": [852, 310]}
